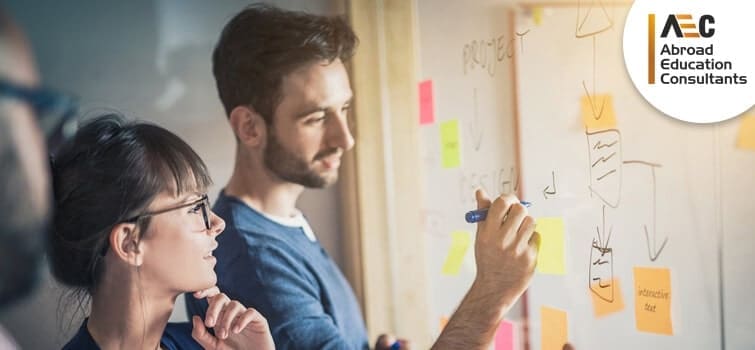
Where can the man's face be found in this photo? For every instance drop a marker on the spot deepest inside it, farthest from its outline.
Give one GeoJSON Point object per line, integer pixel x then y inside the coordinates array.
{"type": "Point", "coordinates": [24, 176]}
{"type": "Point", "coordinates": [310, 131]}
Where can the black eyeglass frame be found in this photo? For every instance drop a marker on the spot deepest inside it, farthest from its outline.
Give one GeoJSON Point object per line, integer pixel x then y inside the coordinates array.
{"type": "Point", "coordinates": [205, 211]}
{"type": "Point", "coordinates": [43, 100]}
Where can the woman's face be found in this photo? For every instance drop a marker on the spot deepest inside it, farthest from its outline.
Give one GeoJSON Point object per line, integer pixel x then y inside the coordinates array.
{"type": "Point", "coordinates": [177, 245]}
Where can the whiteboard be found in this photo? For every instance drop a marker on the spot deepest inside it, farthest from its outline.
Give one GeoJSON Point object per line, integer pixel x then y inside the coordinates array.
{"type": "Point", "coordinates": [466, 51]}
{"type": "Point", "coordinates": [518, 108]}
{"type": "Point", "coordinates": [649, 192]}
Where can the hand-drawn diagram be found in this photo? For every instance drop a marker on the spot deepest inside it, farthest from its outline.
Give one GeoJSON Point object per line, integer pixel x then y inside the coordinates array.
{"type": "Point", "coordinates": [601, 263]}
{"type": "Point", "coordinates": [604, 149]}
{"type": "Point", "coordinates": [476, 131]}
{"type": "Point", "coordinates": [550, 190]}
{"type": "Point", "coordinates": [494, 182]}
{"type": "Point", "coordinates": [592, 19]}
{"type": "Point", "coordinates": [654, 251]}
{"type": "Point", "coordinates": [606, 160]}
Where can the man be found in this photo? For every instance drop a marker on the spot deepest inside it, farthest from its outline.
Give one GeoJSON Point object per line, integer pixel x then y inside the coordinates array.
{"type": "Point", "coordinates": [24, 172]}
{"type": "Point", "coordinates": [282, 81]}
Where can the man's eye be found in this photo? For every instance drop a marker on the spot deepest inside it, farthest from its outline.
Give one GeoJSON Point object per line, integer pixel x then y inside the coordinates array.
{"type": "Point", "coordinates": [316, 120]}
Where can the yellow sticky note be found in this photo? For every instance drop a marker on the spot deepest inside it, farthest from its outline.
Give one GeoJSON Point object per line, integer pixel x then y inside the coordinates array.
{"type": "Point", "coordinates": [459, 244]}
{"type": "Point", "coordinates": [597, 112]}
{"type": "Point", "coordinates": [553, 328]}
{"type": "Point", "coordinates": [605, 306]}
{"type": "Point", "coordinates": [537, 15]}
{"type": "Point", "coordinates": [746, 136]}
{"type": "Point", "coordinates": [551, 257]}
{"type": "Point", "coordinates": [652, 308]}
{"type": "Point", "coordinates": [450, 147]}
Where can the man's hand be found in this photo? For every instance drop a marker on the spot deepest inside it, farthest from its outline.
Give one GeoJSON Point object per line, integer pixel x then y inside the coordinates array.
{"type": "Point", "coordinates": [505, 249]}
{"type": "Point", "coordinates": [389, 342]}
{"type": "Point", "coordinates": [236, 327]}
{"type": "Point", "coordinates": [505, 252]}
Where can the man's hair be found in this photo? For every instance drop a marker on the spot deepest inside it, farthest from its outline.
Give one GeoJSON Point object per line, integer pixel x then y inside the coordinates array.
{"type": "Point", "coordinates": [262, 44]}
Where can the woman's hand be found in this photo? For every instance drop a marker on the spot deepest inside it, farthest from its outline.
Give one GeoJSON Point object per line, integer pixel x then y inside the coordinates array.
{"type": "Point", "coordinates": [236, 326]}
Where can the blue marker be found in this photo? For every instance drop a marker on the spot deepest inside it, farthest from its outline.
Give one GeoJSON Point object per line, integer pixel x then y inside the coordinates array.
{"type": "Point", "coordinates": [396, 345]}
{"type": "Point", "coordinates": [480, 214]}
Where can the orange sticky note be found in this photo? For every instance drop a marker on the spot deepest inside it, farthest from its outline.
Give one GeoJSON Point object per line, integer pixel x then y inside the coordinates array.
{"type": "Point", "coordinates": [553, 328]}
{"type": "Point", "coordinates": [450, 145]}
{"type": "Point", "coordinates": [426, 109]}
{"type": "Point", "coordinates": [605, 306]}
{"type": "Point", "coordinates": [597, 112]}
{"type": "Point", "coordinates": [652, 308]}
{"type": "Point", "coordinates": [443, 322]}
{"type": "Point", "coordinates": [550, 259]}
{"type": "Point", "coordinates": [459, 244]}
{"type": "Point", "coordinates": [746, 135]}
{"type": "Point", "coordinates": [504, 336]}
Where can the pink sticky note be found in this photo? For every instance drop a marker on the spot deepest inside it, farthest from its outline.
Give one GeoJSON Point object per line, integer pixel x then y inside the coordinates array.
{"type": "Point", "coordinates": [504, 336]}
{"type": "Point", "coordinates": [426, 112]}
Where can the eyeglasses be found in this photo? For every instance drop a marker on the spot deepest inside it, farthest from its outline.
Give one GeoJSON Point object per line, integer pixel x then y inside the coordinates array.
{"type": "Point", "coordinates": [202, 204]}
{"type": "Point", "coordinates": [55, 111]}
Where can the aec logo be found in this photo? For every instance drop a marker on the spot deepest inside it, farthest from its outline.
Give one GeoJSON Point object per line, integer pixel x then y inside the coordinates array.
{"type": "Point", "coordinates": [691, 59]}
{"type": "Point", "coordinates": [687, 27]}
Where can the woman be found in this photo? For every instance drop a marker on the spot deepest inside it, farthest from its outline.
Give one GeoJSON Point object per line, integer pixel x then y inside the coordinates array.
{"type": "Point", "coordinates": [133, 230]}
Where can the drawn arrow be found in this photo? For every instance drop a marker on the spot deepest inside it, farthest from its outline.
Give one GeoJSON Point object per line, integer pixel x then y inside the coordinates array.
{"type": "Point", "coordinates": [475, 128]}
{"type": "Point", "coordinates": [596, 113]}
{"type": "Point", "coordinates": [546, 190]}
{"type": "Point", "coordinates": [602, 239]}
{"type": "Point", "coordinates": [655, 251]}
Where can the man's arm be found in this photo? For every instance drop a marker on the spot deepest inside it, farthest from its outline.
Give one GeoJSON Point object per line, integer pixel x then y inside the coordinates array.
{"type": "Point", "coordinates": [505, 251]}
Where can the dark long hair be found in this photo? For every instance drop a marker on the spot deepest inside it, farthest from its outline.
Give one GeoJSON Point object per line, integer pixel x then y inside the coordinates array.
{"type": "Point", "coordinates": [109, 171]}
{"type": "Point", "coordinates": [262, 44]}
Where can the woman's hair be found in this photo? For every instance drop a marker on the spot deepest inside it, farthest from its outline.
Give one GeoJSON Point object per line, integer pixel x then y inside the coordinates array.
{"type": "Point", "coordinates": [109, 172]}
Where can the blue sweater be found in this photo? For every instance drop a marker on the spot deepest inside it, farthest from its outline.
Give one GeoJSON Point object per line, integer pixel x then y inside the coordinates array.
{"type": "Point", "coordinates": [288, 278]}
{"type": "Point", "coordinates": [177, 336]}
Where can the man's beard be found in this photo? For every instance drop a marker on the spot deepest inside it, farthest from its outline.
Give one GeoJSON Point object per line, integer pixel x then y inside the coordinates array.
{"type": "Point", "coordinates": [292, 168]}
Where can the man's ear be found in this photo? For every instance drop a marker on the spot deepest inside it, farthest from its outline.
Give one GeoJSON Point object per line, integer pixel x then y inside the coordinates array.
{"type": "Point", "coordinates": [124, 241]}
{"type": "Point", "coordinates": [248, 125]}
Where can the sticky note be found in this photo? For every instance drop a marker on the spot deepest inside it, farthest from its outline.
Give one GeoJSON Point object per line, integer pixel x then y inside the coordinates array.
{"type": "Point", "coordinates": [597, 112]}
{"type": "Point", "coordinates": [443, 322]}
{"type": "Point", "coordinates": [459, 244]}
{"type": "Point", "coordinates": [537, 15]}
{"type": "Point", "coordinates": [551, 257]}
{"type": "Point", "coordinates": [504, 336]}
{"type": "Point", "coordinates": [652, 308]}
{"type": "Point", "coordinates": [603, 306]}
{"type": "Point", "coordinates": [450, 147]}
{"type": "Point", "coordinates": [553, 328]}
{"type": "Point", "coordinates": [746, 135]}
{"type": "Point", "coordinates": [426, 109]}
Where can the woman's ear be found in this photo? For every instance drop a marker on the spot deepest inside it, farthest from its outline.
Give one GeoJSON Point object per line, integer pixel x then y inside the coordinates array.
{"type": "Point", "coordinates": [248, 125]}
{"type": "Point", "coordinates": [124, 241]}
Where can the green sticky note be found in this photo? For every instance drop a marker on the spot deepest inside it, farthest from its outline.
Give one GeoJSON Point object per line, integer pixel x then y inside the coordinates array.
{"type": "Point", "coordinates": [450, 147]}
{"type": "Point", "coordinates": [550, 260]}
{"type": "Point", "coordinates": [459, 244]}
